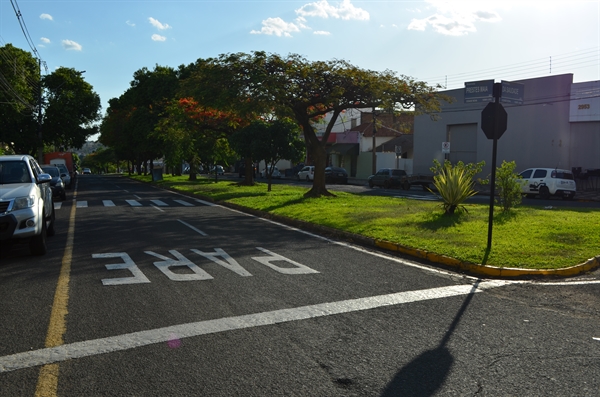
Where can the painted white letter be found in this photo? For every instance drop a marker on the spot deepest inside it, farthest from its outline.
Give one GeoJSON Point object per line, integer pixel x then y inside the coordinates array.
{"type": "Point", "coordinates": [266, 260]}
{"type": "Point", "coordinates": [231, 263]}
{"type": "Point", "coordinates": [129, 264]}
{"type": "Point", "coordinates": [181, 260]}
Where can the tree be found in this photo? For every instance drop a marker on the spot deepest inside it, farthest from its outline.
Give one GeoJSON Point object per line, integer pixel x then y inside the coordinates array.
{"type": "Point", "coordinates": [132, 118]}
{"type": "Point", "coordinates": [270, 141]}
{"type": "Point", "coordinates": [508, 184]}
{"type": "Point", "coordinates": [195, 133]}
{"type": "Point", "coordinates": [71, 109]}
{"type": "Point", "coordinates": [19, 92]}
{"type": "Point", "coordinates": [294, 87]}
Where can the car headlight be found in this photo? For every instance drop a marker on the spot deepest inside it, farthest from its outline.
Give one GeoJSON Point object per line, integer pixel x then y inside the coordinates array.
{"type": "Point", "coordinates": [23, 202]}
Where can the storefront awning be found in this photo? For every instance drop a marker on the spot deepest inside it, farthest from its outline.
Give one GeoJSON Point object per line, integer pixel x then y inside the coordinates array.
{"type": "Point", "coordinates": [350, 149]}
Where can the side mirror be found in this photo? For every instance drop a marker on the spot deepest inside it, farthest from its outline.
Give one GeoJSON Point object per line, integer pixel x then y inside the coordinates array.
{"type": "Point", "coordinates": [43, 178]}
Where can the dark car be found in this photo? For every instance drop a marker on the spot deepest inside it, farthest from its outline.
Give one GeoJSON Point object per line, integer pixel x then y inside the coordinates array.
{"type": "Point", "coordinates": [56, 184]}
{"type": "Point", "coordinates": [388, 178]}
{"type": "Point", "coordinates": [336, 175]}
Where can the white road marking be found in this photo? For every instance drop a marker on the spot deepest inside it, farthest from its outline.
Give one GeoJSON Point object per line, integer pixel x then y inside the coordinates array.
{"type": "Point", "coordinates": [58, 205]}
{"type": "Point", "coordinates": [160, 203]}
{"type": "Point", "coordinates": [185, 203]}
{"type": "Point", "coordinates": [206, 203]}
{"type": "Point", "coordinates": [137, 197]}
{"type": "Point", "coordinates": [134, 203]}
{"type": "Point", "coordinates": [156, 208]}
{"type": "Point", "coordinates": [596, 338]}
{"type": "Point", "coordinates": [82, 204]}
{"type": "Point", "coordinates": [108, 203]}
{"type": "Point", "coordinates": [159, 335]}
{"type": "Point", "coordinates": [193, 228]}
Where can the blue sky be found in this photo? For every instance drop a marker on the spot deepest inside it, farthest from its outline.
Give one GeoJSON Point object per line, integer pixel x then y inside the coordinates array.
{"type": "Point", "coordinates": [446, 42]}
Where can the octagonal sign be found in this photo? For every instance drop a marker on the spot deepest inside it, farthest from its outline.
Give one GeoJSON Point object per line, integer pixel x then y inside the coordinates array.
{"type": "Point", "coordinates": [494, 120]}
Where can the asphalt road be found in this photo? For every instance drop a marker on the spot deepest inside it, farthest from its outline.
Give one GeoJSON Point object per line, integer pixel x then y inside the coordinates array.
{"type": "Point", "coordinates": [165, 295]}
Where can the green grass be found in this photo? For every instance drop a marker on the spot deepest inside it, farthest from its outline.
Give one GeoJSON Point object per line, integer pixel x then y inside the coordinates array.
{"type": "Point", "coordinates": [527, 237]}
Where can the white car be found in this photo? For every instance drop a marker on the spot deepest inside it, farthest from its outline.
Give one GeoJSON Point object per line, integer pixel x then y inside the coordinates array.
{"type": "Point", "coordinates": [307, 173]}
{"type": "Point", "coordinates": [547, 182]}
{"type": "Point", "coordinates": [276, 173]}
{"type": "Point", "coordinates": [26, 206]}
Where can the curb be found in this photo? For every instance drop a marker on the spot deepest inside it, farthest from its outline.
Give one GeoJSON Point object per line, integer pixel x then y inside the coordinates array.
{"type": "Point", "coordinates": [446, 261]}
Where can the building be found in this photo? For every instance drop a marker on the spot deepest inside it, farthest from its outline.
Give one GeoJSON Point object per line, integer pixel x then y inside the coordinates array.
{"type": "Point", "coordinates": [557, 126]}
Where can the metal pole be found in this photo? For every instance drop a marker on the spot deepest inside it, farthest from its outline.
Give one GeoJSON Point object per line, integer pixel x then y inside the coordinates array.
{"type": "Point", "coordinates": [40, 141]}
{"type": "Point", "coordinates": [374, 164]}
{"type": "Point", "coordinates": [497, 93]}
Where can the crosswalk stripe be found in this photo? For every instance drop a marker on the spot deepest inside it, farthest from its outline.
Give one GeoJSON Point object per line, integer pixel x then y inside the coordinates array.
{"type": "Point", "coordinates": [160, 203]}
{"type": "Point", "coordinates": [82, 204]}
{"type": "Point", "coordinates": [108, 203]}
{"type": "Point", "coordinates": [134, 203]}
{"type": "Point", "coordinates": [57, 205]}
{"type": "Point", "coordinates": [185, 203]}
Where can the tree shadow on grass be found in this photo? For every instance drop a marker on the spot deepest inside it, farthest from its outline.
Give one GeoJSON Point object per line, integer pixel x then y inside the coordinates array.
{"type": "Point", "coordinates": [426, 374]}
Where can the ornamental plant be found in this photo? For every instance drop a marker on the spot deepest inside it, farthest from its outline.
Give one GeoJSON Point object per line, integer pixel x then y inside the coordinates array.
{"type": "Point", "coordinates": [454, 184]}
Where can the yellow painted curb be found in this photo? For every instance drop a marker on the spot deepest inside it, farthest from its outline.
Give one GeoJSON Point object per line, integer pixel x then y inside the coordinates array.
{"type": "Point", "coordinates": [491, 271]}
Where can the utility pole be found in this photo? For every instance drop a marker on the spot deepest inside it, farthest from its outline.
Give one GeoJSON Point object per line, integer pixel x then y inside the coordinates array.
{"type": "Point", "coordinates": [374, 144]}
{"type": "Point", "coordinates": [40, 141]}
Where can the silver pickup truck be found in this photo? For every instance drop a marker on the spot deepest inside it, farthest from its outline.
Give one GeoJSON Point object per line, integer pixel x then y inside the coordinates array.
{"type": "Point", "coordinates": [26, 206]}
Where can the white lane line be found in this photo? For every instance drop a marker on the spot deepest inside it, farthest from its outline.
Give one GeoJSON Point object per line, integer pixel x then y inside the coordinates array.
{"type": "Point", "coordinates": [160, 203]}
{"type": "Point", "coordinates": [157, 208]}
{"type": "Point", "coordinates": [184, 203]}
{"type": "Point", "coordinates": [134, 203]}
{"type": "Point", "coordinates": [82, 204]}
{"type": "Point", "coordinates": [596, 338]}
{"type": "Point", "coordinates": [108, 203]}
{"type": "Point", "coordinates": [144, 338]}
{"type": "Point", "coordinates": [137, 197]}
{"type": "Point", "coordinates": [58, 205]}
{"type": "Point", "coordinates": [193, 228]}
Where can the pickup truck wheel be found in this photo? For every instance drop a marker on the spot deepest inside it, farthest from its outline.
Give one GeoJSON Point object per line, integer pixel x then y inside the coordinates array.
{"type": "Point", "coordinates": [37, 245]}
{"type": "Point", "coordinates": [544, 193]}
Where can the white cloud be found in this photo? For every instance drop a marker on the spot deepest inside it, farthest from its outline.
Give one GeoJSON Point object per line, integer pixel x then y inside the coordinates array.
{"type": "Point", "coordinates": [157, 37]}
{"type": "Point", "coordinates": [277, 27]}
{"type": "Point", "coordinates": [322, 33]}
{"type": "Point", "coordinates": [71, 45]}
{"type": "Point", "coordinates": [455, 18]}
{"type": "Point", "coordinates": [45, 40]}
{"type": "Point", "coordinates": [46, 16]}
{"type": "Point", "coordinates": [130, 23]}
{"type": "Point", "coordinates": [323, 9]}
{"type": "Point", "coordinates": [158, 25]}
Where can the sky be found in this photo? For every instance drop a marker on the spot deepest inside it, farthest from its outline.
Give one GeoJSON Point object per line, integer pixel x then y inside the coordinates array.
{"type": "Point", "coordinates": [439, 42]}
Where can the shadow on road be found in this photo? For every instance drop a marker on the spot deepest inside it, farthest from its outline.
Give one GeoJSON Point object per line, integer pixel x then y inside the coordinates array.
{"type": "Point", "coordinates": [424, 375]}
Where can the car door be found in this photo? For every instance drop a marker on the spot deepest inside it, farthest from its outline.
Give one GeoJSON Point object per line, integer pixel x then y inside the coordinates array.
{"type": "Point", "coordinates": [526, 181]}
{"type": "Point", "coordinates": [381, 176]}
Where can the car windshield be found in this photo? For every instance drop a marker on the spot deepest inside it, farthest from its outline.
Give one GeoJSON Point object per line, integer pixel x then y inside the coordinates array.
{"type": "Point", "coordinates": [52, 171]}
{"type": "Point", "coordinates": [13, 172]}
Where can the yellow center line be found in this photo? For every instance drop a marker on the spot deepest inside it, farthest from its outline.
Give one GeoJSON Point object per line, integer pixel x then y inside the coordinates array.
{"type": "Point", "coordinates": [47, 385]}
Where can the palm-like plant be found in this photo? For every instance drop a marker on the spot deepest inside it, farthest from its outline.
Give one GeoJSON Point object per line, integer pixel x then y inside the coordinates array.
{"type": "Point", "coordinates": [454, 184]}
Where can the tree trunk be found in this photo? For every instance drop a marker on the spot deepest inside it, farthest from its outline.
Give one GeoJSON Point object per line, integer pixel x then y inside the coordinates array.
{"type": "Point", "coordinates": [319, 156]}
{"type": "Point", "coordinates": [248, 172]}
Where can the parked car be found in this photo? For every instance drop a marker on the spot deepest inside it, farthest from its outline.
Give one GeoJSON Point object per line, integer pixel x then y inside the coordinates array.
{"type": "Point", "coordinates": [56, 184]}
{"type": "Point", "coordinates": [218, 169]}
{"type": "Point", "coordinates": [547, 182]}
{"type": "Point", "coordinates": [65, 175]}
{"type": "Point", "coordinates": [388, 178]}
{"type": "Point", "coordinates": [87, 171]}
{"type": "Point", "coordinates": [307, 173]}
{"type": "Point", "coordinates": [26, 205]}
{"type": "Point", "coordinates": [336, 175]}
{"type": "Point", "coordinates": [276, 173]}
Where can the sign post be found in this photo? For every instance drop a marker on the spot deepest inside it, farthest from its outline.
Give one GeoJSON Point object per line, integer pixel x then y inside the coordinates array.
{"type": "Point", "coordinates": [494, 121]}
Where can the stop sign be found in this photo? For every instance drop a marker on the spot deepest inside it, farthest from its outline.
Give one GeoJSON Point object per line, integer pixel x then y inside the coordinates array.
{"type": "Point", "coordinates": [494, 120]}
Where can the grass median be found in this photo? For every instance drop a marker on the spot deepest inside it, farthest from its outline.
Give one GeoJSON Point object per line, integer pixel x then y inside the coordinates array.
{"type": "Point", "coordinates": [526, 237]}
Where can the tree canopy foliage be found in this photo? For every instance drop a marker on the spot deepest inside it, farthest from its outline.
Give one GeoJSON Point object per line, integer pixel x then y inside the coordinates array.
{"type": "Point", "coordinates": [248, 88]}
{"type": "Point", "coordinates": [69, 106]}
